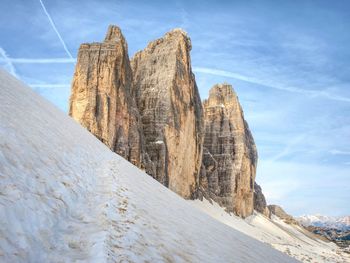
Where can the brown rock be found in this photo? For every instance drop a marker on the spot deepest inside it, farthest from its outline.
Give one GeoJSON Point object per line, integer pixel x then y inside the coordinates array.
{"type": "Point", "coordinates": [260, 201]}
{"type": "Point", "coordinates": [171, 111]}
{"type": "Point", "coordinates": [101, 97]}
{"type": "Point", "coordinates": [278, 211]}
{"type": "Point", "coordinates": [209, 180]}
{"type": "Point", "coordinates": [149, 111]}
{"type": "Point", "coordinates": [230, 156]}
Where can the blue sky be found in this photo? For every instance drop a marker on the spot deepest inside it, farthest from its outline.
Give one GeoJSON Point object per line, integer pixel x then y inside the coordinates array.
{"type": "Point", "coordinates": [289, 62]}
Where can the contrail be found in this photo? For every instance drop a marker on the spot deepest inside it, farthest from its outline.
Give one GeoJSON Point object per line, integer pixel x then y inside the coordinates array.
{"type": "Point", "coordinates": [54, 28]}
{"type": "Point", "coordinates": [8, 62]}
{"type": "Point", "coordinates": [311, 93]}
{"type": "Point", "coordinates": [39, 60]}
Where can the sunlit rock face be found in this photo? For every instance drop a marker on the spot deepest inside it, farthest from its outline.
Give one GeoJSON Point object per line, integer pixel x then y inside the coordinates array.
{"type": "Point", "coordinates": [149, 111]}
{"type": "Point", "coordinates": [229, 155]}
{"type": "Point", "coordinates": [101, 96]}
{"type": "Point", "coordinates": [171, 111]}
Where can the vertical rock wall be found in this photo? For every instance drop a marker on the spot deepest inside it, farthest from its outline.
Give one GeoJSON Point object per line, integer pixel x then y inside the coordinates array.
{"type": "Point", "coordinates": [171, 111]}
{"type": "Point", "coordinates": [230, 156]}
{"type": "Point", "coordinates": [101, 96]}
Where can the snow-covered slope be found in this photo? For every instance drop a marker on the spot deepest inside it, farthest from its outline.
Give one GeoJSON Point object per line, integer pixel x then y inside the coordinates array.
{"type": "Point", "coordinates": [341, 223]}
{"type": "Point", "coordinates": [290, 239]}
{"type": "Point", "coordinates": [65, 197]}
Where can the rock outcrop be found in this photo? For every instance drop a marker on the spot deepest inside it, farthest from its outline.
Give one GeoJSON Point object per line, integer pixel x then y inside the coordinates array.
{"type": "Point", "coordinates": [101, 96]}
{"type": "Point", "coordinates": [166, 139]}
{"type": "Point", "coordinates": [229, 155]}
{"type": "Point", "coordinates": [149, 111]}
{"type": "Point", "coordinates": [171, 111]}
{"type": "Point", "coordinates": [260, 201]}
{"type": "Point", "coordinates": [278, 211]}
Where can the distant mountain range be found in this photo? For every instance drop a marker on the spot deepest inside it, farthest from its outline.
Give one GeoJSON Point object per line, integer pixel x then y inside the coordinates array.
{"type": "Point", "coordinates": [340, 223]}
{"type": "Point", "coordinates": [336, 229]}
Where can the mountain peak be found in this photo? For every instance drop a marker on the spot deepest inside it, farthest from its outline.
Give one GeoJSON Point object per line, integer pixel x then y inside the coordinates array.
{"type": "Point", "coordinates": [341, 222]}
{"type": "Point", "coordinates": [223, 95]}
{"type": "Point", "coordinates": [114, 33]}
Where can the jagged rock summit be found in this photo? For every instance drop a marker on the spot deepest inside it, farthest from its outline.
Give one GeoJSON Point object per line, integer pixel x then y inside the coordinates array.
{"type": "Point", "coordinates": [149, 111]}
{"type": "Point", "coordinates": [230, 155]}
{"type": "Point", "coordinates": [114, 34]}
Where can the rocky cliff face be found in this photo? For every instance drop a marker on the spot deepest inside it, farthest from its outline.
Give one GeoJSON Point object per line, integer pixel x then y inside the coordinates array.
{"type": "Point", "coordinates": [149, 111]}
{"type": "Point", "coordinates": [171, 111]}
{"type": "Point", "coordinates": [101, 96]}
{"type": "Point", "coordinates": [108, 100]}
{"type": "Point", "coordinates": [260, 201]}
{"type": "Point", "coordinates": [230, 156]}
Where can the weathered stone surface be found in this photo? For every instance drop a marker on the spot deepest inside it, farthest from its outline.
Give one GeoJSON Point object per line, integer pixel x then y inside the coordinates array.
{"type": "Point", "coordinates": [230, 156]}
{"type": "Point", "coordinates": [209, 181]}
{"type": "Point", "coordinates": [278, 211]}
{"type": "Point", "coordinates": [171, 111]}
{"type": "Point", "coordinates": [260, 201]}
{"type": "Point", "coordinates": [149, 111]}
{"type": "Point", "coordinates": [101, 96]}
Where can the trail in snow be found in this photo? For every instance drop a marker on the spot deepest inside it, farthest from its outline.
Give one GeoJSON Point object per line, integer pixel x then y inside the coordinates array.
{"type": "Point", "coordinates": [65, 197]}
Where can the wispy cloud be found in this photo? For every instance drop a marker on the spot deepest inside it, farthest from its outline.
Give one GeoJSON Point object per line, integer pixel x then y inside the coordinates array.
{"type": "Point", "coordinates": [338, 152]}
{"type": "Point", "coordinates": [38, 60]}
{"type": "Point", "coordinates": [55, 29]}
{"type": "Point", "coordinates": [311, 93]}
{"type": "Point", "coordinates": [8, 63]}
{"type": "Point", "coordinates": [290, 147]}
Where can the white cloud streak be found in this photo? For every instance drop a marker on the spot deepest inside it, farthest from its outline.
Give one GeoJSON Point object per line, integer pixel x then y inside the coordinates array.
{"type": "Point", "coordinates": [290, 147]}
{"type": "Point", "coordinates": [310, 93]}
{"type": "Point", "coordinates": [8, 63]}
{"type": "Point", "coordinates": [55, 29]}
{"type": "Point", "coordinates": [338, 152]}
{"type": "Point", "coordinates": [38, 60]}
